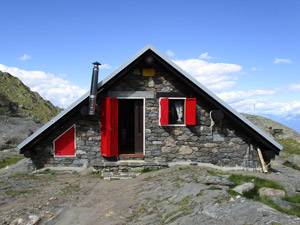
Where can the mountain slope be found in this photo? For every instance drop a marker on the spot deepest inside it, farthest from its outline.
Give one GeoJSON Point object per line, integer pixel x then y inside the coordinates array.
{"type": "Point", "coordinates": [268, 126]}
{"type": "Point", "coordinates": [17, 100]}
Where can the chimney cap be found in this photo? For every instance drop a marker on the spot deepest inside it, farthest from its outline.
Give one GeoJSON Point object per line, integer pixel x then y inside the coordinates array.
{"type": "Point", "coordinates": [96, 63]}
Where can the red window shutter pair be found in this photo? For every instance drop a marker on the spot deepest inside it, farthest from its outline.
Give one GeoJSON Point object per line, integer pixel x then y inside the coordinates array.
{"type": "Point", "coordinates": [190, 111]}
{"type": "Point", "coordinates": [109, 127]}
{"type": "Point", "coordinates": [64, 145]}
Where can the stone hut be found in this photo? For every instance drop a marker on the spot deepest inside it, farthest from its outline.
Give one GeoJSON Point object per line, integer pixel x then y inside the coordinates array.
{"type": "Point", "coordinates": [149, 113]}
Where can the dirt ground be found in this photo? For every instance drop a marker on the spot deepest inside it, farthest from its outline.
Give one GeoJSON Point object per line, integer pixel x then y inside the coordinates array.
{"type": "Point", "coordinates": [49, 194]}
{"type": "Point", "coordinates": [170, 196]}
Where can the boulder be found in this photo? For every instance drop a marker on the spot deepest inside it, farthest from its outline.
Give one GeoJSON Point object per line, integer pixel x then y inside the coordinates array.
{"type": "Point", "coordinates": [244, 187]}
{"type": "Point", "coordinates": [265, 192]}
{"type": "Point", "coordinates": [216, 180]}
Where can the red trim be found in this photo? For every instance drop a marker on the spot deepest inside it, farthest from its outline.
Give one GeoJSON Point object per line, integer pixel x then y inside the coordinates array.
{"type": "Point", "coordinates": [190, 111]}
{"type": "Point", "coordinates": [164, 111]}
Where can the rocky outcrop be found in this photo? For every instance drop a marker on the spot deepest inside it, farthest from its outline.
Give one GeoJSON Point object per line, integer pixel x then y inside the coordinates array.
{"type": "Point", "coordinates": [17, 100]}
{"type": "Point", "coordinates": [14, 130]}
{"type": "Point", "coordinates": [274, 129]}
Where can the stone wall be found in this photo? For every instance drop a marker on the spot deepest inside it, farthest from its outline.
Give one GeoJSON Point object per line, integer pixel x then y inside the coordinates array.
{"type": "Point", "coordinates": [224, 145]}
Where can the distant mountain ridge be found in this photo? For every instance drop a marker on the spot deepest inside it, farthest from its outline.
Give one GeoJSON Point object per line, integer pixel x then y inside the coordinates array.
{"type": "Point", "coordinates": [17, 100]}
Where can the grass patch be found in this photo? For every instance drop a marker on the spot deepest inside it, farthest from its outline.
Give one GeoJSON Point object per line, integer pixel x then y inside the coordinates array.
{"type": "Point", "coordinates": [216, 173]}
{"type": "Point", "coordinates": [70, 188]}
{"type": "Point", "coordinates": [183, 209]}
{"type": "Point", "coordinates": [185, 168]}
{"type": "Point", "coordinates": [213, 188]}
{"type": "Point", "coordinates": [292, 198]}
{"type": "Point", "coordinates": [290, 146]}
{"type": "Point", "coordinates": [97, 174]}
{"type": "Point", "coordinates": [238, 179]}
{"type": "Point", "coordinates": [201, 193]}
{"type": "Point", "coordinates": [148, 170]}
{"type": "Point", "coordinates": [292, 165]}
{"type": "Point", "coordinates": [184, 201]}
{"type": "Point", "coordinates": [46, 172]}
{"type": "Point", "coordinates": [162, 200]}
{"type": "Point", "coordinates": [8, 162]}
{"type": "Point", "coordinates": [16, 192]}
{"type": "Point", "coordinates": [294, 211]}
{"type": "Point", "coordinates": [253, 194]}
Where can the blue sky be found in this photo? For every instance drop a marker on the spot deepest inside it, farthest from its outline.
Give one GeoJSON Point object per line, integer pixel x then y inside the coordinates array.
{"type": "Point", "coordinates": [247, 52]}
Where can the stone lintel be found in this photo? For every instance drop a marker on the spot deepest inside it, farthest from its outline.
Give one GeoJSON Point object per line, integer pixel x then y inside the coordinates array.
{"type": "Point", "coordinates": [135, 94]}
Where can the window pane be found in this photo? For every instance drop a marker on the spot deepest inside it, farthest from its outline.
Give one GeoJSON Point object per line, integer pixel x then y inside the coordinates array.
{"type": "Point", "coordinates": [176, 111]}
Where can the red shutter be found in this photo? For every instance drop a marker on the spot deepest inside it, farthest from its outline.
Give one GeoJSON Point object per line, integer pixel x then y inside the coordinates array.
{"type": "Point", "coordinates": [109, 127]}
{"type": "Point", "coordinates": [190, 111]}
{"type": "Point", "coordinates": [164, 111]}
{"type": "Point", "coordinates": [65, 144]}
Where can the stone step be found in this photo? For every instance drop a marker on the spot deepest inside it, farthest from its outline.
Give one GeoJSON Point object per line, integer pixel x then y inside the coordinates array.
{"type": "Point", "coordinates": [119, 175]}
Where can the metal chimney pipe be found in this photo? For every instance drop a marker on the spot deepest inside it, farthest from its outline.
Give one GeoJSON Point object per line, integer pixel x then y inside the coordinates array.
{"type": "Point", "coordinates": [94, 87]}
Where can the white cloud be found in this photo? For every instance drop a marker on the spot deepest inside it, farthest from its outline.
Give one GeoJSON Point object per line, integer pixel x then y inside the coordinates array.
{"type": "Point", "coordinates": [25, 57]}
{"type": "Point", "coordinates": [256, 69]}
{"type": "Point", "coordinates": [216, 76]}
{"type": "Point", "coordinates": [239, 95]}
{"type": "Point", "coordinates": [170, 53]}
{"type": "Point", "coordinates": [59, 91]}
{"type": "Point", "coordinates": [205, 56]}
{"type": "Point", "coordinates": [266, 106]}
{"type": "Point", "coordinates": [105, 66]}
{"type": "Point", "coordinates": [277, 61]}
{"type": "Point", "coordinates": [294, 87]}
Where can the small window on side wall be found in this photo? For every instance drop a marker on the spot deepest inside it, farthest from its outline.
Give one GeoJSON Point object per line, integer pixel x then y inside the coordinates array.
{"type": "Point", "coordinates": [64, 145]}
{"type": "Point", "coordinates": [177, 111]}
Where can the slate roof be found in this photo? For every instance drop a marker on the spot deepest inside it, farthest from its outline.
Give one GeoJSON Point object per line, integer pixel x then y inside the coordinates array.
{"type": "Point", "coordinates": [57, 118]}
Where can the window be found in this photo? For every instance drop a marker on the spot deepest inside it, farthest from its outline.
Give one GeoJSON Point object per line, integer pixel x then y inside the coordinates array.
{"type": "Point", "coordinates": [64, 145]}
{"type": "Point", "coordinates": [177, 111]}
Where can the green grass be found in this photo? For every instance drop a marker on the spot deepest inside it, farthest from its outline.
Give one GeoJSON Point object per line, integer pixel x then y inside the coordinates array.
{"type": "Point", "coordinates": [184, 201]}
{"type": "Point", "coordinates": [185, 168]}
{"type": "Point", "coordinates": [294, 211]}
{"type": "Point", "coordinates": [183, 208]}
{"type": "Point", "coordinates": [292, 198]}
{"type": "Point", "coordinates": [201, 193]}
{"type": "Point", "coordinates": [97, 174]}
{"type": "Point", "coordinates": [46, 172]}
{"type": "Point", "coordinates": [8, 162]}
{"type": "Point", "coordinates": [216, 173]}
{"type": "Point", "coordinates": [70, 188]}
{"type": "Point", "coordinates": [238, 179]}
{"type": "Point", "coordinates": [162, 200]}
{"type": "Point", "coordinates": [292, 165]}
{"type": "Point", "coordinates": [213, 188]}
{"type": "Point", "coordinates": [290, 146]}
{"type": "Point", "coordinates": [148, 170]}
{"type": "Point", "coordinates": [16, 192]}
{"type": "Point", "coordinates": [258, 183]}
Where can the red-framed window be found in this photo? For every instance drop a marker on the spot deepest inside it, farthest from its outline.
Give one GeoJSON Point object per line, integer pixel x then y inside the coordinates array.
{"type": "Point", "coordinates": [177, 111]}
{"type": "Point", "coordinates": [64, 145]}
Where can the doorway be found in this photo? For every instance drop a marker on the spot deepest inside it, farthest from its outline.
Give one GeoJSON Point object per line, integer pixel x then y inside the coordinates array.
{"type": "Point", "coordinates": [131, 126]}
